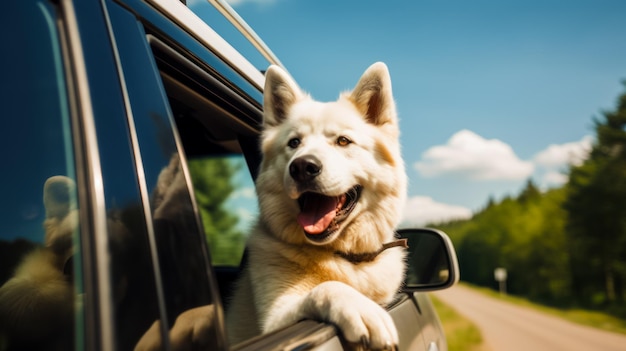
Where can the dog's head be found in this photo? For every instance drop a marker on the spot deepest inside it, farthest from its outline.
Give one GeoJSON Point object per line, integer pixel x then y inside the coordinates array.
{"type": "Point", "coordinates": [331, 171]}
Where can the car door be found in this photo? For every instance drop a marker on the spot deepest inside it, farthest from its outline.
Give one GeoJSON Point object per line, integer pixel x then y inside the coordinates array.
{"type": "Point", "coordinates": [170, 80]}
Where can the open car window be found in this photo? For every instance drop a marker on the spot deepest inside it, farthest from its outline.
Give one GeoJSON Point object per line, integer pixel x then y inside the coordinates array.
{"type": "Point", "coordinates": [208, 115]}
{"type": "Point", "coordinates": [226, 199]}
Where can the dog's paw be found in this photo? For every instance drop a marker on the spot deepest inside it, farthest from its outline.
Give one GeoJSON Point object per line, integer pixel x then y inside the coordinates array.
{"type": "Point", "coordinates": [366, 324]}
{"type": "Point", "coordinates": [363, 323]}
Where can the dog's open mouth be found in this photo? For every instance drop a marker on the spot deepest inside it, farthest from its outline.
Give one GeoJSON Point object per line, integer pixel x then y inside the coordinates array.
{"type": "Point", "coordinates": [321, 215]}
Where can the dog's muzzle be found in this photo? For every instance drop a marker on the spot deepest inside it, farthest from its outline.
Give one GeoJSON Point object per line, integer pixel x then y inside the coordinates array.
{"type": "Point", "coordinates": [320, 214]}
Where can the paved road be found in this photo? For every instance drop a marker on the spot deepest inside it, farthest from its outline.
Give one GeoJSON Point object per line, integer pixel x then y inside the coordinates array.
{"type": "Point", "coordinates": [507, 327]}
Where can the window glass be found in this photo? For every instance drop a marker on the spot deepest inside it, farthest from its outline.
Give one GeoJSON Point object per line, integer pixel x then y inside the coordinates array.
{"type": "Point", "coordinates": [226, 199]}
{"type": "Point", "coordinates": [39, 262]}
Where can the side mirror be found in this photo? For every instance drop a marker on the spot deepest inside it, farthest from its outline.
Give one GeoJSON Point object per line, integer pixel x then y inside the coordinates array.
{"type": "Point", "coordinates": [431, 260]}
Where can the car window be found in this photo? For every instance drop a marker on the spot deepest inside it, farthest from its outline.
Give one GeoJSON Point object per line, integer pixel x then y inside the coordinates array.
{"type": "Point", "coordinates": [40, 280]}
{"type": "Point", "coordinates": [213, 138]}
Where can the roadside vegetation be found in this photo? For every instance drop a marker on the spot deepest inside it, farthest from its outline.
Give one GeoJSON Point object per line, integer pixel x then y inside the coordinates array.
{"type": "Point", "coordinates": [461, 333]}
{"type": "Point", "coordinates": [564, 247]}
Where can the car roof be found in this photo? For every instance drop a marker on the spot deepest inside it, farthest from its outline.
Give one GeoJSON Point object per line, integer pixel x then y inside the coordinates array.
{"type": "Point", "coordinates": [188, 20]}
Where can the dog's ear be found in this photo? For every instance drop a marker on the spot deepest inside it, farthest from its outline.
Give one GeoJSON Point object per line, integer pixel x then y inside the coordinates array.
{"type": "Point", "coordinates": [373, 97]}
{"type": "Point", "coordinates": [280, 93]}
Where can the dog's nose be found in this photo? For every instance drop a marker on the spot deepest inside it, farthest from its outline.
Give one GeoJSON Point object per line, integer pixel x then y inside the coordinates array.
{"type": "Point", "coordinates": [305, 168]}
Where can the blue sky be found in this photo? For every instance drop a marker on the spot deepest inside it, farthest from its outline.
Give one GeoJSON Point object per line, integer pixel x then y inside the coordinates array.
{"type": "Point", "coordinates": [489, 93]}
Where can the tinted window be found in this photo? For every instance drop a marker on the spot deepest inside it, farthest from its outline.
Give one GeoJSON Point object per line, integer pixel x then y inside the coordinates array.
{"type": "Point", "coordinates": [39, 217]}
{"type": "Point", "coordinates": [207, 115]}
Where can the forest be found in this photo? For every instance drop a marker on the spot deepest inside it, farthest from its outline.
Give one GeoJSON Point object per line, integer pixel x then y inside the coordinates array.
{"type": "Point", "coordinates": [564, 247]}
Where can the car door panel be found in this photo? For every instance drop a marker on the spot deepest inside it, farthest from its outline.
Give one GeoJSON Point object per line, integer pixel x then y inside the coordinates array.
{"type": "Point", "coordinates": [409, 323]}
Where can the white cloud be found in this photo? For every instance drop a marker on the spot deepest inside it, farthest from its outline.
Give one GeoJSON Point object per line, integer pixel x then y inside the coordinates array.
{"type": "Point", "coordinates": [552, 162]}
{"type": "Point", "coordinates": [245, 215]}
{"type": "Point", "coordinates": [421, 210]}
{"type": "Point", "coordinates": [471, 155]}
{"type": "Point", "coordinates": [246, 193]}
{"type": "Point", "coordinates": [552, 179]}
{"type": "Point", "coordinates": [564, 154]}
{"type": "Point", "coordinates": [468, 156]}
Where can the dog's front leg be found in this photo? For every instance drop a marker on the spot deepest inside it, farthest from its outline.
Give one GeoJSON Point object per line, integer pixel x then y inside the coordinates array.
{"type": "Point", "coordinates": [361, 320]}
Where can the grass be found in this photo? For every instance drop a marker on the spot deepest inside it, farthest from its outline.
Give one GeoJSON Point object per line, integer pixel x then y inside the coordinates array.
{"type": "Point", "coordinates": [461, 333]}
{"type": "Point", "coordinates": [585, 317]}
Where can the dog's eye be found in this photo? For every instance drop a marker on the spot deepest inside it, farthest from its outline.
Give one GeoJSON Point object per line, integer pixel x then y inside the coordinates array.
{"type": "Point", "coordinates": [343, 141]}
{"type": "Point", "coordinates": [293, 143]}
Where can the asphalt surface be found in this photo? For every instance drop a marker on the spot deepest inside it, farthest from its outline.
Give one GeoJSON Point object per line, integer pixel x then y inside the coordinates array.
{"type": "Point", "coordinates": [508, 327]}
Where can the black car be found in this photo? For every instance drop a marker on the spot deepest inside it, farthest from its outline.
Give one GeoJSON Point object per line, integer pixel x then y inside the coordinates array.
{"type": "Point", "coordinates": [130, 148]}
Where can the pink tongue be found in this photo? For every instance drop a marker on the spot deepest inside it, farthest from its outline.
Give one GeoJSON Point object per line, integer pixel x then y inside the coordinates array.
{"type": "Point", "coordinates": [317, 213]}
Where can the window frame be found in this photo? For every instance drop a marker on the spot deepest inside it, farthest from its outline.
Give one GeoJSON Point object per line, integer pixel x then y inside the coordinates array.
{"type": "Point", "coordinates": [98, 327]}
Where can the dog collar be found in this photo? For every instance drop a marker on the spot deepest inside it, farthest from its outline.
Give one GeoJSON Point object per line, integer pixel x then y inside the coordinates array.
{"type": "Point", "coordinates": [357, 258]}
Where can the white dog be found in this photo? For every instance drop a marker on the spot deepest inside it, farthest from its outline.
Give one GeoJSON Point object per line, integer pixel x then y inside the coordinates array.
{"type": "Point", "coordinates": [331, 189]}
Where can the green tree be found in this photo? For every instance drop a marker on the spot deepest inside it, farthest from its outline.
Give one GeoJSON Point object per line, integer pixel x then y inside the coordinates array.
{"type": "Point", "coordinates": [530, 192]}
{"type": "Point", "coordinates": [525, 235]}
{"type": "Point", "coordinates": [547, 262]}
{"type": "Point", "coordinates": [596, 207]}
{"type": "Point", "coordinates": [213, 185]}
